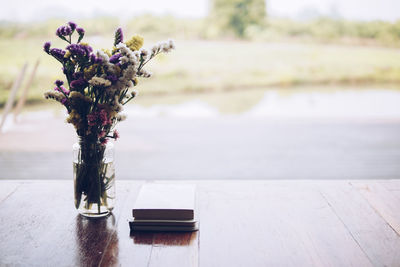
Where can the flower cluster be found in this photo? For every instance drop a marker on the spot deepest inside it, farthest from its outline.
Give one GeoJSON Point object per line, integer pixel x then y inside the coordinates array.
{"type": "Point", "coordinates": [99, 83]}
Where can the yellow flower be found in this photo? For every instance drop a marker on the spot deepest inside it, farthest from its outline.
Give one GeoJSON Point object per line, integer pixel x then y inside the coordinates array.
{"type": "Point", "coordinates": [117, 70]}
{"type": "Point", "coordinates": [135, 43]}
{"type": "Point", "coordinates": [84, 44]}
{"type": "Point", "coordinates": [107, 51]}
{"type": "Point", "coordinates": [114, 50]}
{"type": "Point", "coordinates": [112, 114]}
{"type": "Point", "coordinates": [74, 95]}
{"type": "Point", "coordinates": [74, 118]}
{"type": "Point", "coordinates": [89, 72]}
{"type": "Point", "coordinates": [67, 54]}
{"type": "Point", "coordinates": [135, 81]}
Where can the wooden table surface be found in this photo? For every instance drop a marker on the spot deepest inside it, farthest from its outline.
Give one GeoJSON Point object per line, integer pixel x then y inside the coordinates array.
{"type": "Point", "coordinates": [242, 223]}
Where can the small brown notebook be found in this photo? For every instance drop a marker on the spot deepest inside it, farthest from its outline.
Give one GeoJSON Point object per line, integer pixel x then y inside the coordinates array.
{"type": "Point", "coordinates": [165, 202]}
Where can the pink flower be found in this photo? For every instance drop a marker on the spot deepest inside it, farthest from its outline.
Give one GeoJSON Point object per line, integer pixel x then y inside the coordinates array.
{"type": "Point", "coordinates": [100, 118]}
{"type": "Point", "coordinates": [92, 119]}
{"type": "Point", "coordinates": [104, 118]}
{"type": "Point", "coordinates": [116, 135]}
{"type": "Point", "coordinates": [104, 141]}
{"type": "Point", "coordinates": [102, 134]}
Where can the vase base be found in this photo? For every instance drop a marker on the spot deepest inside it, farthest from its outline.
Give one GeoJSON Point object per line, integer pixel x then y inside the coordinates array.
{"type": "Point", "coordinates": [95, 215]}
{"type": "Point", "coordinates": [93, 212]}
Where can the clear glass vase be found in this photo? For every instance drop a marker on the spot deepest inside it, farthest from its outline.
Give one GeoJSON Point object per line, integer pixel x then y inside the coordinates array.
{"type": "Point", "coordinates": [94, 178]}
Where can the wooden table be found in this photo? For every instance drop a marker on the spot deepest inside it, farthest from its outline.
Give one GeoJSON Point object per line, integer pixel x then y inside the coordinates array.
{"type": "Point", "coordinates": [242, 223]}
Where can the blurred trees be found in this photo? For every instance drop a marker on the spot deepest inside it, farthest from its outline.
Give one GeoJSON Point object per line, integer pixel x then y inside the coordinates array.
{"type": "Point", "coordinates": [237, 15]}
{"type": "Point", "coordinates": [228, 18]}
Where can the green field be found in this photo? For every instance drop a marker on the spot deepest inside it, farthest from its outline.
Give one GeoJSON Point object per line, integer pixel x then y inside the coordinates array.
{"type": "Point", "coordinates": [199, 67]}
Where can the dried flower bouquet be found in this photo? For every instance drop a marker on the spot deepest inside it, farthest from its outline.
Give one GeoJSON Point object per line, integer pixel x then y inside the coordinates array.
{"type": "Point", "coordinates": [97, 87]}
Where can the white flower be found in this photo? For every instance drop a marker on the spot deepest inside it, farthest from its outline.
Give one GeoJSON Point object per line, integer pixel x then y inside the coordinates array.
{"type": "Point", "coordinates": [135, 93]}
{"type": "Point", "coordinates": [118, 107]}
{"type": "Point", "coordinates": [144, 73]}
{"type": "Point", "coordinates": [133, 57]}
{"type": "Point", "coordinates": [155, 49]}
{"type": "Point", "coordinates": [144, 53]}
{"type": "Point", "coordinates": [58, 96]}
{"type": "Point", "coordinates": [98, 81]}
{"type": "Point", "coordinates": [121, 117]}
{"type": "Point", "coordinates": [171, 44]}
{"type": "Point", "coordinates": [103, 56]}
{"type": "Point", "coordinates": [130, 84]}
{"type": "Point", "coordinates": [129, 70]}
{"type": "Point", "coordinates": [124, 59]}
{"type": "Point", "coordinates": [136, 54]}
{"type": "Point", "coordinates": [167, 46]}
{"type": "Point", "coordinates": [162, 47]}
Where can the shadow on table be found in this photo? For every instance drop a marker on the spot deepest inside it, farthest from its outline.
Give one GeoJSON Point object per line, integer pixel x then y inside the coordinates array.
{"type": "Point", "coordinates": [163, 238]}
{"type": "Point", "coordinates": [96, 239]}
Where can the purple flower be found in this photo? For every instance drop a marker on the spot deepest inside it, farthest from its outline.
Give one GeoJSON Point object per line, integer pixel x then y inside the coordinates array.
{"type": "Point", "coordinates": [114, 58]}
{"type": "Point", "coordinates": [80, 31]}
{"type": "Point", "coordinates": [72, 25]}
{"type": "Point", "coordinates": [64, 101]}
{"type": "Point", "coordinates": [88, 49]}
{"type": "Point", "coordinates": [78, 84]}
{"type": "Point", "coordinates": [112, 78]}
{"type": "Point", "coordinates": [77, 75]}
{"type": "Point", "coordinates": [76, 49]}
{"type": "Point", "coordinates": [46, 47]}
{"type": "Point", "coordinates": [57, 53]}
{"type": "Point", "coordinates": [79, 50]}
{"type": "Point", "coordinates": [63, 31]}
{"type": "Point", "coordinates": [59, 83]}
{"type": "Point", "coordinates": [119, 36]}
{"type": "Point", "coordinates": [98, 60]}
{"type": "Point", "coordinates": [59, 31]}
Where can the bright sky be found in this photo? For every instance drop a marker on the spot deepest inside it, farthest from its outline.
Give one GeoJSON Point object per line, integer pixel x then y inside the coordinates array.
{"type": "Point", "coordinates": [25, 10]}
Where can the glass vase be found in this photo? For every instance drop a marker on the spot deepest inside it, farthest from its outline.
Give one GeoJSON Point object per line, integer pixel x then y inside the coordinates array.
{"type": "Point", "coordinates": [94, 178]}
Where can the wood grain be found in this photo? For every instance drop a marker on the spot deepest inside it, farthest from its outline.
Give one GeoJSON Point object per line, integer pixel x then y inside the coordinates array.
{"type": "Point", "coordinates": [373, 234]}
{"type": "Point", "coordinates": [272, 224]}
{"type": "Point", "coordinates": [386, 203]}
{"type": "Point", "coordinates": [242, 223]}
{"type": "Point", "coordinates": [7, 188]}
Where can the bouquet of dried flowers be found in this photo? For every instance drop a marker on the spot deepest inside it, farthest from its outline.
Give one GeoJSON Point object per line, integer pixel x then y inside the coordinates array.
{"type": "Point", "coordinates": [98, 85]}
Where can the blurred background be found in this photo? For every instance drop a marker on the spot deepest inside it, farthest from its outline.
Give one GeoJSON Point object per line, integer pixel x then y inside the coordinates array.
{"type": "Point", "coordinates": [255, 89]}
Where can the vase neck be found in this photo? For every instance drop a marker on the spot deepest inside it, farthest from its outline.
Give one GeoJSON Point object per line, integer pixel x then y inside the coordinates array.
{"type": "Point", "coordinates": [86, 140]}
